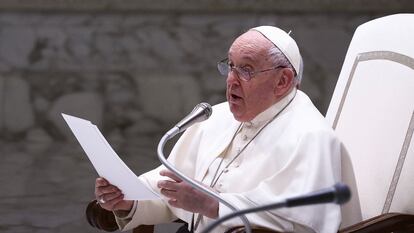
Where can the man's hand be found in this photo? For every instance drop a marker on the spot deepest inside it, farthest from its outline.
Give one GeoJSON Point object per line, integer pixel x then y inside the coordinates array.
{"type": "Point", "coordinates": [184, 196]}
{"type": "Point", "coordinates": [110, 197]}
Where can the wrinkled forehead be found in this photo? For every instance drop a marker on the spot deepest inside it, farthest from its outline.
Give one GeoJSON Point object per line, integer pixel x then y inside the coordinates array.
{"type": "Point", "coordinates": [250, 45]}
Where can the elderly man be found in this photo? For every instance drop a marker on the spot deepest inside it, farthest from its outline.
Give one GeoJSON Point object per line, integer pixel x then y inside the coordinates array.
{"type": "Point", "coordinates": [268, 142]}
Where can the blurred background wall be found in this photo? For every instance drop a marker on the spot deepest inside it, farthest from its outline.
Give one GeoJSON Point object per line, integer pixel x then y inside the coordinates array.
{"type": "Point", "coordinates": [134, 68]}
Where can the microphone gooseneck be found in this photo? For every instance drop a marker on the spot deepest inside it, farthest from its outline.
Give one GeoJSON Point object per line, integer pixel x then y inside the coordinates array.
{"type": "Point", "coordinates": [338, 194]}
{"type": "Point", "coordinates": [200, 113]}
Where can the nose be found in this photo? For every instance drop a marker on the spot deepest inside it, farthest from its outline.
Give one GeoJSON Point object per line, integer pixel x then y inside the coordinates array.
{"type": "Point", "coordinates": [232, 77]}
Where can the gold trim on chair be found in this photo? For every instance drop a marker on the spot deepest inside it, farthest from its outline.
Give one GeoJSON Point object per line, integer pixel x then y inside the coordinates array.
{"type": "Point", "coordinates": [399, 167]}
{"type": "Point", "coordinates": [375, 55]}
{"type": "Point", "coordinates": [403, 60]}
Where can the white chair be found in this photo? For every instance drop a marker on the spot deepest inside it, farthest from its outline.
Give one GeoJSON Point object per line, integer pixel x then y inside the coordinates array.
{"type": "Point", "coordinates": [372, 111]}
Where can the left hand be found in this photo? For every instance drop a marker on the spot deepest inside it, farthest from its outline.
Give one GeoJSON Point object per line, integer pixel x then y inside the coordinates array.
{"type": "Point", "coordinates": [111, 197]}
{"type": "Point", "coordinates": [182, 195]}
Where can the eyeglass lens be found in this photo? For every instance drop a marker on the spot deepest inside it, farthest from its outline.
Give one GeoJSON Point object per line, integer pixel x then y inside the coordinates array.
{"type": "Point", "coordinates": [224, 69]}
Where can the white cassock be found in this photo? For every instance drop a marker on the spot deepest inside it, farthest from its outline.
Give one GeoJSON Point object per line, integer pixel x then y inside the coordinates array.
{"type": "Point", "coordinates": [294, 154]}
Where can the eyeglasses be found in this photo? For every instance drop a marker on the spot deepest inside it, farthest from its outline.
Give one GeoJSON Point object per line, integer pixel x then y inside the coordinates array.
{"type": "Point", "coordinates": [244, 74]}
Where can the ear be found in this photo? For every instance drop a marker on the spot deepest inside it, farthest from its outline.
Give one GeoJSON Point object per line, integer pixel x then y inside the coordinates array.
{"type": "Point", "coordinates": [284, 83]}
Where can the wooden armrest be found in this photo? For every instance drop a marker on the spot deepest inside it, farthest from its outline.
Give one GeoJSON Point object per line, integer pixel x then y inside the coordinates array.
{"type": "Point", "coordinates": [391, 222]}
{"type": "Point", "coordinates": [105, 220]}
{"type": "Point", "coordinates": [100, 218]}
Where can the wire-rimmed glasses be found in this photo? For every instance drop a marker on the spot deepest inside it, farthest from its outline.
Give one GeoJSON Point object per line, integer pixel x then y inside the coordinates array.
{"type": "Point", "coordinates": [224, 69]}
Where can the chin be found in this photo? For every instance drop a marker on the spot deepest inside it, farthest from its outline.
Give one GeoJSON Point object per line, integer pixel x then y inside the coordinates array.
{"type": "Point", "coordinates": [238, 112]}
{"type": "Point", "coordinates": [238, 116]}
{"type": "Point", "coordinates": [234, 110]}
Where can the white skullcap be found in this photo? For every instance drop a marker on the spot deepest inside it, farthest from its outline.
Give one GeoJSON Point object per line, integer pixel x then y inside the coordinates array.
{"type": "Point", "coordinates": [284, 42]}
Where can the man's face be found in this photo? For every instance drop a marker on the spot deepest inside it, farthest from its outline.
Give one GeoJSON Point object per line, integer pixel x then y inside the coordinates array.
{"type": "Point", "coordinates": [248, 99]}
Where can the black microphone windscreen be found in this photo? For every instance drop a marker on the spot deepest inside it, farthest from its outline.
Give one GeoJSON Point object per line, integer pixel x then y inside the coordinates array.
{"type": "Point", "coordinates": [338, 194]}
{"type": "Point", "coordinates": [343, 193]}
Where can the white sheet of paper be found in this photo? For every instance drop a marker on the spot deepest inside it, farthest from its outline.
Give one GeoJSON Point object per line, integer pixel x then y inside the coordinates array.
{"type": "Point", "coordinates": [105, 160]}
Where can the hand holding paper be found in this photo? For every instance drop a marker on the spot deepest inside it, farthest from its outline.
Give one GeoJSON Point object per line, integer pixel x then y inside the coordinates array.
{"type": "Point", "coordinates": [106, 162]}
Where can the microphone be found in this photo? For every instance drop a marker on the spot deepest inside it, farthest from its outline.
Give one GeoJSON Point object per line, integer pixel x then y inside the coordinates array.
{"type": "Point", "coordinates": [339, 194]}
{"type": "Point", "coordinates": [201, 112]}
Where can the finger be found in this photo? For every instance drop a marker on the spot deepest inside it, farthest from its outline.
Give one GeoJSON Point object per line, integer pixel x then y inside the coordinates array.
{"type": "Point", "coordinates": [174, 203]}
{"type": "Point", "coordinates": [169, 193]}
{"type": "Point", "coordinates": [170, 174]}
{"type": "Point", "coordinates": [167, 184]}
{"type": "Point", "coordinates": [111, 196]}
{"type": "Point", "coordinates": [122, 205]}
{"type": "Point", "coordinates": [99, 182]}
{"type": "Point", "coordinates": [111, 204]}
{"type": "Point", "coordinates": [110, 189]}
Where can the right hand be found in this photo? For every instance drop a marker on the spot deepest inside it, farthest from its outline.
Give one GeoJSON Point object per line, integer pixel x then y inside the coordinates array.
{"type": "Point", "coordinates": [111, 195]}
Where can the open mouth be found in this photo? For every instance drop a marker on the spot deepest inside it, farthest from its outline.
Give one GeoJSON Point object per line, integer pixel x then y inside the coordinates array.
{"type": "Point", "coordinates": [235, 97]}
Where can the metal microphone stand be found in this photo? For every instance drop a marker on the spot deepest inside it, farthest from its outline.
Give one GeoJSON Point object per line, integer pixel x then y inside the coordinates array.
{"type": "Point", "coordinates": [213, 225]}
{"type": "Point", "coordinates": [167, 136]}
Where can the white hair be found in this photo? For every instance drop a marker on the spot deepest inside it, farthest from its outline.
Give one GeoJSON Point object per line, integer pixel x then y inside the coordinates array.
{"type": "Point", "coordinates": [279, 59]}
